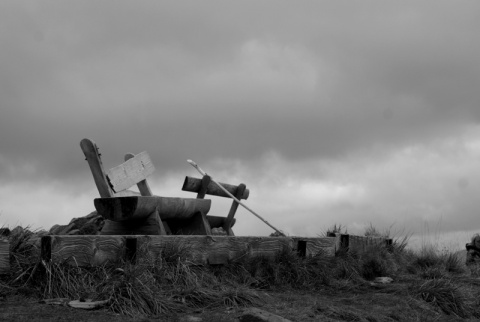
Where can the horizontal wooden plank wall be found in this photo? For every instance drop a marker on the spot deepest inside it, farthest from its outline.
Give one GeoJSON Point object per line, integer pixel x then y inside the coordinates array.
{"type": "Point", "coordinates": [97, 250]}
{"type": "Point", "coordinates": [4, 256]}
{"type": "Point", "coordinates": [358, 243]}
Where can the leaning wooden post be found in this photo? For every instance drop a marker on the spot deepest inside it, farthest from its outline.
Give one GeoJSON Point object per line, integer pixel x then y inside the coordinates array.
{"type": "Point", "coordinates": [90, 150]}
{"type": "Point", "coordinates": [228, 222]}
{"type": "Point", "coordinates": [203, 173]}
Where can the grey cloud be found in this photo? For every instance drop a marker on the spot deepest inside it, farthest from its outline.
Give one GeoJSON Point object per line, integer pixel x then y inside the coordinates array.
{"type": "Point", "coordinates": [396, 75]}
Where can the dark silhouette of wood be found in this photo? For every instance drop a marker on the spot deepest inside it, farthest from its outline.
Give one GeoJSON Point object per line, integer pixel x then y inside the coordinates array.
{"type": "Point", "coordinates": [4, 256]}
{"type": "Point", "coordinates": [138, 207]}
{"type": "Point", "coordinates": [194, 185]}
{"type": "Point", "coordinates": [233, 209]}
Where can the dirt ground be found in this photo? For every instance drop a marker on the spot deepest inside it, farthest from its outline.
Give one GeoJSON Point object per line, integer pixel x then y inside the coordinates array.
{"type": "Point", "coordinates": [327, 305]}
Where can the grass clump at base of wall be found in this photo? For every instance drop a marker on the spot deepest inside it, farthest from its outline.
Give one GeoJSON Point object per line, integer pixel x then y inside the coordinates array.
{"type": "Point", "coordinates": [167, 282]}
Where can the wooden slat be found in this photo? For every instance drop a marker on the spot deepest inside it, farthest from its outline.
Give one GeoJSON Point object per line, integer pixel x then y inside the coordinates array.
{"type": "Point", "coordinates": [4, 256]}
{"type": "Point", "coordinates": [96, 250]}
{"type": "Point", "coordinates": [130, 172]}
{"type": "Point", "coordinates": [194, 185]}
{"type": "Point", "coordinates": [204, 186]}
{"type": "Point", "coordinates": [233, 209]}
{"type": "Point", "coordinates": [218, 221]}
{"type": "Point", "coordinates": [90, 150]}
{"type": "Point", "coordinates": [142, 185]}
{"type": "Point", "coordinates": [84, 250]}
{"type": "Point", "coordinates": [325, 245]}
{"type": "Point", "coordinates": [136, 207]}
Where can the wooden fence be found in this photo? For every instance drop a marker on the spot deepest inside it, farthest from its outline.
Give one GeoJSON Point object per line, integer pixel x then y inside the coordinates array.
{"type": "Point", "coordinates": [358, 244]}
{"type": "Point", "coordinates": [98, 249]}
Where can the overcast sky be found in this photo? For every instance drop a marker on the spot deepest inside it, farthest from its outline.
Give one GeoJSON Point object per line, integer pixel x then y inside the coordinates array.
{"type": "Point", "coordinates": [346, 112]}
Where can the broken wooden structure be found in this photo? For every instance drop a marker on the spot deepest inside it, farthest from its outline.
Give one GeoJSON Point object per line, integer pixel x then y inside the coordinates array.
{"type": "Point", "coordinates": [205, 186]}
{"type": "Point", "coordinates": [130, 213]}
{"type": "Point", "coordinates": [141, 225]}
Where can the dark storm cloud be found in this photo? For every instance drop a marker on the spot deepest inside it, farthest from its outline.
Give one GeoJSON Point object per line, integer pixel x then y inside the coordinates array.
{"type": "Point", "coordinates": [211, 79]}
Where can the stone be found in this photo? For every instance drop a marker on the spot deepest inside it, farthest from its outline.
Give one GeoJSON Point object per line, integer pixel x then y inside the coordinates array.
{"type": "Point", "coordinates": [383, 280]}
{"type": "Point", "coordinates": [259, 315]}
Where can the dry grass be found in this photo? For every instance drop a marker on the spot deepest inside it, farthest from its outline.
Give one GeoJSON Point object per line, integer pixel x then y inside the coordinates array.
{"type": "Point", "coordinates": [428, 283]}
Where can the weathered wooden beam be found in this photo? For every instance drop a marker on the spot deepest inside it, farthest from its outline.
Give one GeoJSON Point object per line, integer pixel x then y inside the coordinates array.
{"type": "Point", "coordinates": [83, 250]}
{"type": "Point", "coordinates": [218, 221]}
{"type": "Point", "coordinates": [90, 150]}
{"type": "Point", "coordinates": [138, 207]}
{"type": "Point", "coordinates": [4, 256]}
{"type": "Point", "coordinates": [233, 209]}
{"type": "Point", "coordinates": [142, 185]}
{"type": "Point", "coordinates": [130, 172]}
{"type": "Point", "coordinates": [97, 250]}
{"type": "Point", "coordinates": [194, 185]}
{"type": "Point", "coordinates": [204, 186]}
{"type": "Point", "coordinates": [196, 225]}
{"type": "Point", "coordinates": [358, 244]}
{"type": "Point", "coordinates": [151, 225]}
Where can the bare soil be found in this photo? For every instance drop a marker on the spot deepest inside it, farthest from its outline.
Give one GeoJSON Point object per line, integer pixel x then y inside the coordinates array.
{"type": "Point", "coordinates": [370, 303]}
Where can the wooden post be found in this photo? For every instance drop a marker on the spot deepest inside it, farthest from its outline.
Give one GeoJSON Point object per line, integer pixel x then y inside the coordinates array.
{"type": "Point", "coordinates": [203, 189]}
{"type": "Point", "coordinates": [90, 150]}
{"type": "Point", "coordinates": [4, 256]}
{"type": "Point", "coordinates": [228, 223]}
{"type": "Point", "coordinates": [344, 242]}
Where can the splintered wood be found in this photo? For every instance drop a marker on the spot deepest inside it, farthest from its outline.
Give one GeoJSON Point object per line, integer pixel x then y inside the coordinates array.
{"type": "Point", "coordinates": [98, 250]}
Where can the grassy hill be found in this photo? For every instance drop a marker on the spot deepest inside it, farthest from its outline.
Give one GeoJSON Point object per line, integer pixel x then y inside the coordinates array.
{"type": "Point", "coordinates": [428, 285]}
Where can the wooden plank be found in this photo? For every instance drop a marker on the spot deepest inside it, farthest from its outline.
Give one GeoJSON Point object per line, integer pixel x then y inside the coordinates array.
{"type": "Point", "coordinates": [204, 186]}
{"type": "Point", "coordinates": [96, 250]}
{"type": "Point", "coordinates": [218, 221]}
{"type": "Point", "coordinates": [151, 225]}
{"type": "Point", "coordinates": [194, 185]}
{"type": "Point", "coordinates": [325, 245]}
{"type": "Point", "coordinates": [4, 256]}
{"type": "Point", "coordinates": [233, 209]}
{"type": "Point", "coordinates": [137, 207]}
{"type": "Point", "coordinates": [84, 250]}
{"type": "Point", "coordinates": [130, 172]}
{"type": "Point", "coordinates": [362, 243]}
{"type": "Point", "coordinates": [196, 225]}
{"type": "Point", "coordinates": [219, 249]}
{"type": "Point", "coordinates": [142, 185]}
{"type": "Point", "coordinates": [90, 150]}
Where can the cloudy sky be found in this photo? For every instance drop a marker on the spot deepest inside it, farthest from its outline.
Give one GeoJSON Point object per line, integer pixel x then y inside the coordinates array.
{"type": "Point", "coordinates": [331, 112]}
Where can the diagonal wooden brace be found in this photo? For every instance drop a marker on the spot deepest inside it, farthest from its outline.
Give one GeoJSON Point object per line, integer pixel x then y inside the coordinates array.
{"type": "Point", "coordinates": [233, 209]}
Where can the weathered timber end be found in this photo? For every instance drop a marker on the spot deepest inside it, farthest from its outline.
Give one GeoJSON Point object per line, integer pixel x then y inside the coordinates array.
{"type": "Point", "coordinates": [194, 185]}
{"type": "Point", "coordinates": [98, 250]}
{"type": "Point", "coordinates": [4, 256]}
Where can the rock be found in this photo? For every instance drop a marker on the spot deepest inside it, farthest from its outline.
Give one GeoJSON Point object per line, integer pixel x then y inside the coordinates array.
{"type": "Point", "coordinates": [258, 315]}
{"type": "Point", "coordinates": [383, 280]}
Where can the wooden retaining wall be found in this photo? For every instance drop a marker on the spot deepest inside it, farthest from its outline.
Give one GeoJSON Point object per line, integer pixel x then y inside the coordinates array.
{"type": "Point", "coordinates": [97, 250]}
{"type": "Point", "coordinates": [4, 256]}
{"type": "Point", "coordinates": [358, 244]}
